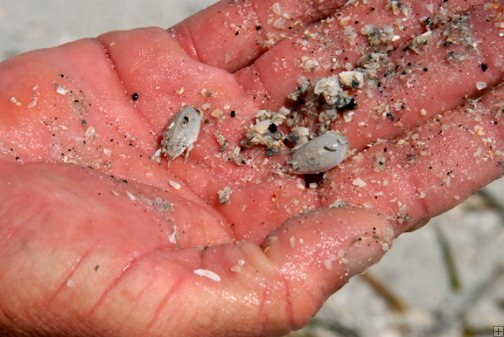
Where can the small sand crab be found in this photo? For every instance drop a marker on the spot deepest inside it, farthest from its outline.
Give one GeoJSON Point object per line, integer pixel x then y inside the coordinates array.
{"type": "Point", "coordinates": [320, 154]}
{"type": "Point", "coordinates": [181, 133]}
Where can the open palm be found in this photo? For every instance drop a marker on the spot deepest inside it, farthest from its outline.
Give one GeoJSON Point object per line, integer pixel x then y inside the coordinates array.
{"type": "Point", "coordinates": [97, 238]}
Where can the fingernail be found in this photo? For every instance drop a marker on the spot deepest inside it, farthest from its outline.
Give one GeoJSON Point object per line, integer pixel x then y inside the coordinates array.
{"type": "Point", "coordinates": [364, 252]}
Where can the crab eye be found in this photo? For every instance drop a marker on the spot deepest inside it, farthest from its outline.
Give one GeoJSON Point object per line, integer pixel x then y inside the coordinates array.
{"type": "Point", "coordinates": [320, 154]}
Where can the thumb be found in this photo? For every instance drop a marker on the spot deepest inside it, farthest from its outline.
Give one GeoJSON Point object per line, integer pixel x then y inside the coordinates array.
{"type": "Point", "coordinates": [274, 288]}
{"type": "Point", "coordinates": [243, 289]}
{"type": "Point", "coordinates": [317, 253]}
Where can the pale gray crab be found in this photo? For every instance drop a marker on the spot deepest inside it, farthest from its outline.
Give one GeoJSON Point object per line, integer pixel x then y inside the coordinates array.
{"type": "Point", "coordinates": [320, 154]}
{"type": "Point", "coordinates": [181, 133]}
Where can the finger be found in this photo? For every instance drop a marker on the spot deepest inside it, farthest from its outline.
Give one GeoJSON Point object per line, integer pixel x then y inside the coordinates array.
{"type": "Point", "coordinates": [245, 289]}
{"type": "Point", "coordinates": [421, 95]}
{"type": "Point", "coordinates": [229, 35]}
{"type": "Point", "coordinates": [430, 170]}
{"type": "Point", "coordinates": [431, 82]}
{"type": "Point", "coordinates": [329, 47]}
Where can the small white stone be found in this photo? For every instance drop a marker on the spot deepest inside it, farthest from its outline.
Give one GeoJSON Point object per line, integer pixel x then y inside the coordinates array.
{"type": "Point", "coordinates": [90, 132]}
{"type": "Point", "coordinates": [352, 79]}
{"type": "Point", "coordinates": [224, 195]}
{"type": "Point", "coordinates": [172, 238]}
{"type": "Point", "coordinates": [359, 182]}
{"type": "Point", "coordinates": [157, 156]}
{"type": "Point", "coordinates": [309, 63]}
{"type": "Point", "coordinates": [292, 242]}
{"type": "Point", "coordinates": [481, 85]}
{"type": "Point", "coordinates": [237, 268]}
{"type": "Point", "coordinates": [338, 204]}
{"type": "Point", "coordinates": [33, 103]}
{"type": "Point", "coordinates": [208, 274]}
{"type": "Point", "coordinates": [348, 116]}
{"type": "Point", "coordinates": [217, 113]}
{"type": "Point", "coordinates": [328, 263]}
{"type": "Point", "coordinates": [174, 184]}
{"type": "Point", "coordinates": [276, 8]}
{"type": "Point", "coordinates": [131, 196]}
{"type": "Point", "coordinates": [61, 90]}
{"type": "Point", "coordinates": [329, 88]}
{"type": "Point", "coordinates": [13, 100]}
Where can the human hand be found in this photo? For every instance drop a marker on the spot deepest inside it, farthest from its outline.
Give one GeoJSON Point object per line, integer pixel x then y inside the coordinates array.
{"type": "Point", "coordinates": [112, 243]}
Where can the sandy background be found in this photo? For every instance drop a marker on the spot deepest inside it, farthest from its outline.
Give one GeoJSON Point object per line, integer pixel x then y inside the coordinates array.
{"type": "Point", "coordinates": [409, 293]}
{"type": "Point", "coordinates": [31, 24]}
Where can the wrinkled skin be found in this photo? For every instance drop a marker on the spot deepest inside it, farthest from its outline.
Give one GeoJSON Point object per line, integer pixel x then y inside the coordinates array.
{"type": "Point", "coordinates": [97, 239]}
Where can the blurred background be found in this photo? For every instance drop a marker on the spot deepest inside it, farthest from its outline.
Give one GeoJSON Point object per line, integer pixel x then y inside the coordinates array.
{"type": "Point", "coordinates": [446, 279]}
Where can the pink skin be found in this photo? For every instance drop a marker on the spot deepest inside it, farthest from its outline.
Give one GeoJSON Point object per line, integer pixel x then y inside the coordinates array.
{"type": "Point", "coordinates": [96, 241]}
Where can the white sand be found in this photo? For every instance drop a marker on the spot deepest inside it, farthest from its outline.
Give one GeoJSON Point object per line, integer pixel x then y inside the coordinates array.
{"type": "Point", "coordinates": [32, 24]}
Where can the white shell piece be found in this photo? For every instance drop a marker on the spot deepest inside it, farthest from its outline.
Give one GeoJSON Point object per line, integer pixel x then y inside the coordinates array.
{"type": "Point", "coordinates": [208, 274]}
{"type": "Point", "coordinates": [319, 154]}
{"type": "Point", "coordinates": [181, 133]}
{"type": "Point", "coordinates": [351, 79]}
{"type": "Point", "coordinates": [329, 87]}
